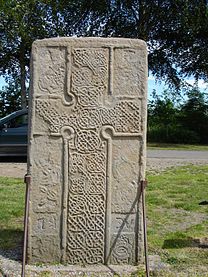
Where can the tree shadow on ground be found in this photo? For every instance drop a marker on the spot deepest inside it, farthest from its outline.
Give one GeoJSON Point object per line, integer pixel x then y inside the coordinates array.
{"type": "Point", "coordinates": [185, 242]}
{"type": "Point", "coordinates": [11, 242]}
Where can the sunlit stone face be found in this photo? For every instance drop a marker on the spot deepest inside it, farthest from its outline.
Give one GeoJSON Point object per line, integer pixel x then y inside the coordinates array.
{"type": "Point", "coordinates": [87, 150]}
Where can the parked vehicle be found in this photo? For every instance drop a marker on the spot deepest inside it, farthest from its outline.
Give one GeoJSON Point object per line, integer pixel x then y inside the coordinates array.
{"type": "Point", "coordinates": [13, 134]}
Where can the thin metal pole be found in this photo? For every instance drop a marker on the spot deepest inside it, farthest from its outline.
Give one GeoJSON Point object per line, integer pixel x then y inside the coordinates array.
{"type": "Point", "coordinates": [143, 183]}
{"type": "Point", "coordinates": [27, 194]}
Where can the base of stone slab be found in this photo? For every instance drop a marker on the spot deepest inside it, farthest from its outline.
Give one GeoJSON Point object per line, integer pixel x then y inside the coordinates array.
{"type": "Point", "coordinates": [65, 271]}
{"type": "Point", "coordinates": [11, 268]}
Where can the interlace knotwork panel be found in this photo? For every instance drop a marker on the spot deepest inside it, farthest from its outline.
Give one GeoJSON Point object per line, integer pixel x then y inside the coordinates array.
{"type": "Point", "coordinates": [87, 182]}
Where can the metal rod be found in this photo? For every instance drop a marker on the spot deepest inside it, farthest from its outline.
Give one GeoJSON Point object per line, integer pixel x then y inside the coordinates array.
{"type": "Point", "coordinates": [27, 194]}
{"type": "Point", "coordinates": [143, 183]}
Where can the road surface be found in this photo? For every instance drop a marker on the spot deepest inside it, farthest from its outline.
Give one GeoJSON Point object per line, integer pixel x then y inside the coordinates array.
{"type": "Point", "coordinates": [177, 154]}
{"type": "Point", "coordinates": [157, 161]}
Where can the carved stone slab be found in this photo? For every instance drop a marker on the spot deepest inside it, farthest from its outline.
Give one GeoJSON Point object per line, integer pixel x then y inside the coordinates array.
{"type": "Point", "coordinates": [87, 150]}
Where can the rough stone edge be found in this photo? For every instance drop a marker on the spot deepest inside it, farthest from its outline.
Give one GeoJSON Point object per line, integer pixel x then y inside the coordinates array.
{"type": "Point", "coordinates": [91, 42]}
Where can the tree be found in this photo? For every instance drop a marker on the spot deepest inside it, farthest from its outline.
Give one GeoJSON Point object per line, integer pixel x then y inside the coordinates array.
{"type": "Point", "coordinates": [194, 114]}
{"type": "Point", "coordinates": [22, 21]}
{"type": "Point", "coordinates": [176, 32]}
{"type": "Point", "coordinates": [16, 38]}
{"type": "Point", "coordinates": [173, 122]}
{"type": "Point", "coordinates": [10, 99]}
{"type": "Point", "coordinates": [162, 118]}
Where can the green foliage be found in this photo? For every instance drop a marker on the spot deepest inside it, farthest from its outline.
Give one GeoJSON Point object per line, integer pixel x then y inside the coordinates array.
{"type": "Point", "coordinates": [172, 134]}
{"type": "Point", "coordinates": [176, 32]}
{"type": "Point", "coordinates": [22, 22]}
{"type": "Point", "coordinates": [173, 123]}
{"type": "Point", "coordinates": [10, 99]}
{"type": "Point", "coordinates": [194, 114]}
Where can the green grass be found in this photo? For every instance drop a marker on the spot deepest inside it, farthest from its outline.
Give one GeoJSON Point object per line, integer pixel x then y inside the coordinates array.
{"type": "Point", "coordinates": [11, 211]}
{"type": "Point", "coordinates": [175, 218]}
{"type": "Point", "coordinates": [169, 146]}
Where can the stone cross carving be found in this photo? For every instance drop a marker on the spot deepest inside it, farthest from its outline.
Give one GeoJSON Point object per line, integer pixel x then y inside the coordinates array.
{"type": "Point", "coordinates": [87, 150]}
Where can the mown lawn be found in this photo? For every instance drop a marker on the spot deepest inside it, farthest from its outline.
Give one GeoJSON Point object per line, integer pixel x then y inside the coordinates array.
{"type": "Point", "coordinates": [12, 192]}
{"type": "Point", "coordinates": [176, 220]}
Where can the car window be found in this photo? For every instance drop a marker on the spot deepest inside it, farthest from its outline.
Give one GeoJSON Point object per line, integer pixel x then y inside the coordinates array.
{"type": "Point", "coordinates": [18, 121]}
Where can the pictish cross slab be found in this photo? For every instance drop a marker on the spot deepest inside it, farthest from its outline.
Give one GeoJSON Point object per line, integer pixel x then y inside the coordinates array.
{"type": "Point", "coordinates": [87, 151]}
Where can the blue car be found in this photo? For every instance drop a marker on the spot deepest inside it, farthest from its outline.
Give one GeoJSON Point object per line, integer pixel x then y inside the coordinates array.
{"type": "Point", "coordinates": [13, 134]}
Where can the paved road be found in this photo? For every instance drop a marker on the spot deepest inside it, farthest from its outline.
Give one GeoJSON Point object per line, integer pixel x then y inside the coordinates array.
{"type": "Point", "coordinates": [178, 154]}
{"type": "Point", "coordinates": [157, 160]}
{"type": "Point", "coordinates": [163, 154]}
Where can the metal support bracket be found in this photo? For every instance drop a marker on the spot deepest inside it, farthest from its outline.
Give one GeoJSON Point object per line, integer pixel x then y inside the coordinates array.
{"type": "Point", "coordinates": [27, 181]}
{"type": "Point", "coordinates": [143, 186]}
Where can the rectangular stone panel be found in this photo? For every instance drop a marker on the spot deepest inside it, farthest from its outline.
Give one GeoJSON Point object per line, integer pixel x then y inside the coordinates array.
{"type": "Point", "coordinates": [87, 150]}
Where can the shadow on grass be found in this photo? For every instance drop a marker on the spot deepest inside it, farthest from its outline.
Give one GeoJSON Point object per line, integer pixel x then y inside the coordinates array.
{"type": "Point", "coordinates": [183, 243]}
{"type": "Point", "coordinates": [11, 241]}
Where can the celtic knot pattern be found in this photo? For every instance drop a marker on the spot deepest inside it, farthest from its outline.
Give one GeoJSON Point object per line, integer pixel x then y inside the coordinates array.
{"type": "Point", "coordinates": [96, 162]}
{"type": "Point", "coordinates": [90, 119]}
{"type": "Point", "coordinates": [86, 220]}
{"type": "Point", "coordinates": [127, 117]}
{"type": "Point", "coordinates": [51, 115]}
{"type": "Point", "coordinates": [89, 76]}
{"type": "Point", "coordinates": [87, 141]}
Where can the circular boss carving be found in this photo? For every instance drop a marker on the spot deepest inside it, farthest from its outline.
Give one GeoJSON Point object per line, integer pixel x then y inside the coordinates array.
{"type": "Point", "coordinates": [87, 141]}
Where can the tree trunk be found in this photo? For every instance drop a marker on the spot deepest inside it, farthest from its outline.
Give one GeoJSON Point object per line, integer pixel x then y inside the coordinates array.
{"type": "Point", "coordinates": [142, 30]}
{"type": "Point", "coordinates": [23, 77]}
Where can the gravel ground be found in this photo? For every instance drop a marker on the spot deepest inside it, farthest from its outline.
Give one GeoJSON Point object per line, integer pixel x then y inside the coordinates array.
{"type": "Point", "coordinates": [16, 170]}
{"type": "Point", "coordinates": [156, 165]}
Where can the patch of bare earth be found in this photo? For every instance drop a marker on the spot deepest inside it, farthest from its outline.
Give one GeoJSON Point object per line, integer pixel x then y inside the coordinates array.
{"type": "Point", "coordinates": [15, 170]}
{"type": "Point", "coordinates": [181, 219]}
